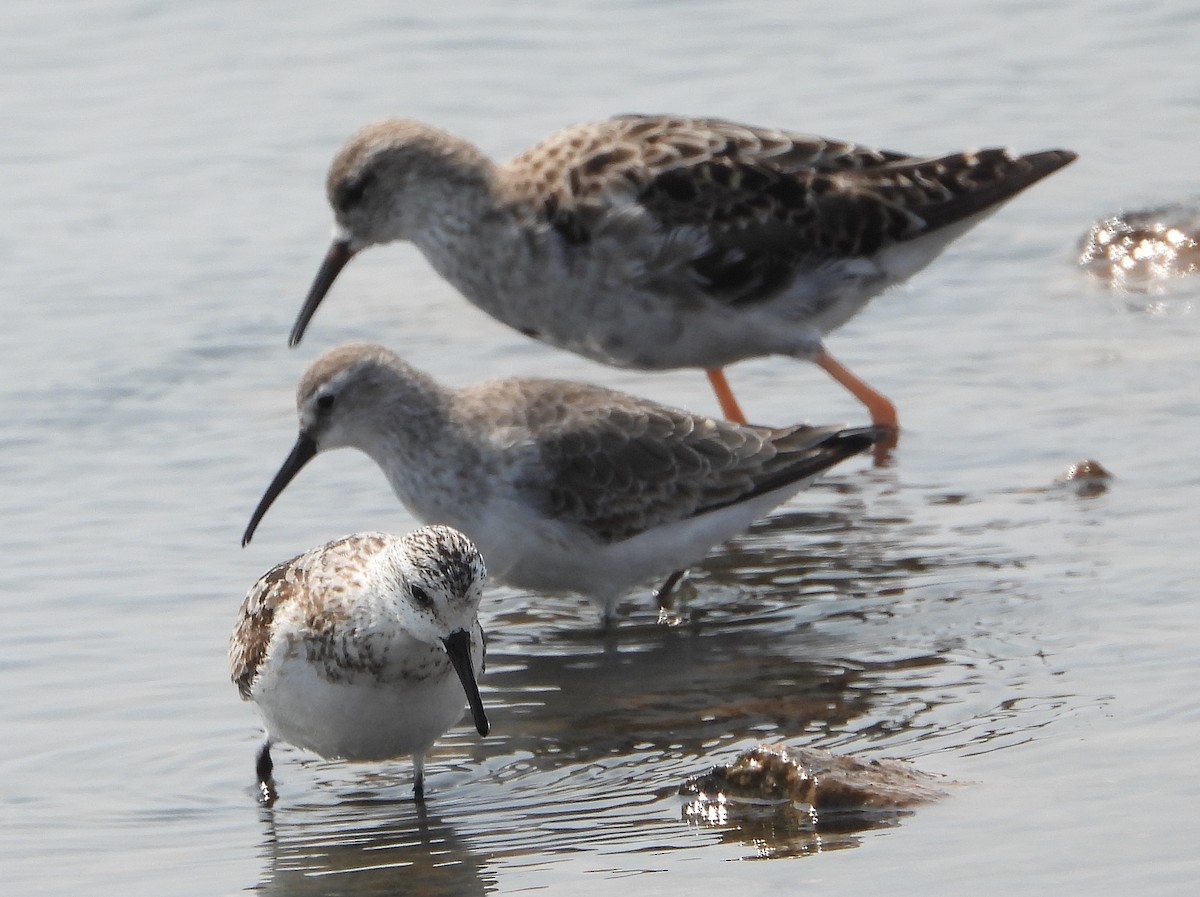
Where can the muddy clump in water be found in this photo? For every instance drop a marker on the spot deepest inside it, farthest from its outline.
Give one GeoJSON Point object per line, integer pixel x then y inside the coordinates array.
{"type": "Point", "coordinates": [1086, 479]}
{"type": "Point", "coordinates": [796, 801]}
{"type": "Point", "coordinates": [816, 778]}
{"type": "Point", "coordinates": [1143, 252]}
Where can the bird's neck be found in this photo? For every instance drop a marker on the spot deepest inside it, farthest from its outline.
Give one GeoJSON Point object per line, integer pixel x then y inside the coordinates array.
{"type": "Point", "coordinates": [424, 453]}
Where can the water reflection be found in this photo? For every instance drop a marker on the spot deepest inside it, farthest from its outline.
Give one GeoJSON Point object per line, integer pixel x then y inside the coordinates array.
{"type": "Point", "coordinates": [783, 831]}
{"type": "Point", "coordinates": [366, 847]}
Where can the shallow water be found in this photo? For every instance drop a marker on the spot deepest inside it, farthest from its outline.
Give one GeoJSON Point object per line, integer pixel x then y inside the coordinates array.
{"type": "Point", "coordinates": [162, 181]}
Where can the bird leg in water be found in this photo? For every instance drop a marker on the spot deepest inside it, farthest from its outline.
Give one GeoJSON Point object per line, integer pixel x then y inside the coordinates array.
{"type": "Point", "coordinates": [263, 766]}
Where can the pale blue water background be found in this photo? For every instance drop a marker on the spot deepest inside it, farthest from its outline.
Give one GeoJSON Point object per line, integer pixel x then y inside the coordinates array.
{"type": "Point", "coordinates": [163, 212]}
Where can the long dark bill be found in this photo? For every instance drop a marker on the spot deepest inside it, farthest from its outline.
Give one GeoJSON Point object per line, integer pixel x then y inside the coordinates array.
{"type": "Point", "coordinates": [303, 451]}
{"type": "Point", "coordinates": [458, 647]}
{"type": "Point", "coordinates": [335, 260]}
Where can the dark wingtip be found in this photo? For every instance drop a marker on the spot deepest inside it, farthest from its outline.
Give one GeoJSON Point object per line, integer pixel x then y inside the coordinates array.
{"type": "Point", "coordinates": [859, 439]}
{"type": "Point", "coordinates": [1049, 161]}
{"type": "Point", "coordinates": [849, 441]}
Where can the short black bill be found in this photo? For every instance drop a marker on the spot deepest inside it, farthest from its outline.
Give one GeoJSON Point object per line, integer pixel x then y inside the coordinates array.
{"type": "Point", "coordinates": [303, 451]}
{"type": "Point", "coordinates": [335, 260]}
{"type": "Point", "coordinates": [458, 648]}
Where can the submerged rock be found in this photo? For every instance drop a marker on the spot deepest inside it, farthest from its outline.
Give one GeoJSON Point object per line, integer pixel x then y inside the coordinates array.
{"type": "Point", "coordinates": [1144, 251]}
{"type": "Point", "coordinates": [816, 779]}
{"type": "Point", "coordinates": [787, 802]}
{"type": "Point", "coordinates": [1086, 478]}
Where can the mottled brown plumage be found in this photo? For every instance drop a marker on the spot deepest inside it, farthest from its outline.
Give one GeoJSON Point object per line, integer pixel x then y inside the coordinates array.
{"type": "Point", "coordinates": [315, 586]}
{"type": "Point", "coordinates": [363, 647]}
{"type": "Point", "coordinates": [660, 241]}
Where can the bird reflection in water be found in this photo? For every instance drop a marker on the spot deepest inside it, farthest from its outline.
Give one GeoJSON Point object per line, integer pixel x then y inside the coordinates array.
{"type": "Point", "coordinates": [366, 847]}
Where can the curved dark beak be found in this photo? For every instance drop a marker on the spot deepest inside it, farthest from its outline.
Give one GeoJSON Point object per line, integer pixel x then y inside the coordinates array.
{"type": "Point", "coordinates": [458, 647]}
{"type": "Point", "coordinates": [335, 260]}
{"type": "Point", "coordinates": [303, 451]}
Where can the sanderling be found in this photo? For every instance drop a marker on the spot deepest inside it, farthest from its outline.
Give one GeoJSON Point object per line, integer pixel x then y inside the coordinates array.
{"type": "Point", "coordinates": [656, 242]}
{"type": "Point", "coordinates": [361, 649]}
{"type": "Point", "coordinates": [563, 486]}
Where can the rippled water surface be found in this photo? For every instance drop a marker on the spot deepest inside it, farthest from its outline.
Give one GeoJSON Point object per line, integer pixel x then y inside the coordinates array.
{"type": "Point", "coordinates": [163, 193]}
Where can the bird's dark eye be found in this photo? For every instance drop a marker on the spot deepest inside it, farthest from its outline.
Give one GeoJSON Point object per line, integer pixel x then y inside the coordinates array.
{"type": "Point", "coordinates": [421, 596]}
{"type": "Point", "coordinates": [325, 402]}
{"type": "Point", "coordinates": [350, 194]}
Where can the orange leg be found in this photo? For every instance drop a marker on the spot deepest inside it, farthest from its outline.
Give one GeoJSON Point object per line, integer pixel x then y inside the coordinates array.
{"type": "Point", "coordinates": [883, 412]}
{"type": "Point", "coordinates": [729, 405]}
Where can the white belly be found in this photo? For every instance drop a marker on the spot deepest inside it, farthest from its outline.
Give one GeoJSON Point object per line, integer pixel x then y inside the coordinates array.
{"type": "Point", "coordinates": [358, 719]}
{"type": "Point", "coordinates": [528, 552]}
